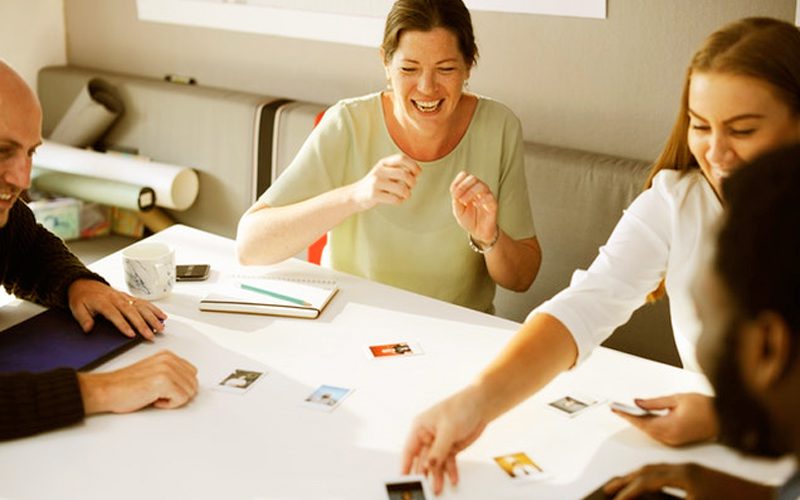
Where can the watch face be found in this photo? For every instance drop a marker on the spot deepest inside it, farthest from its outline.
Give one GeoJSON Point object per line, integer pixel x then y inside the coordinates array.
{"type": "Point", "coordinates": [192, 272]}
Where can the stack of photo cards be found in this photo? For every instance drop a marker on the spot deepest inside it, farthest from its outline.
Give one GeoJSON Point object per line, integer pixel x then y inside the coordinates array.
{"type": "Point", "coordinates": [327, 397]}
{"type": "Point", "coordinates": [238, 381]}
{"type": "Point", "coordinates": [575, 404]}
{"type": "Point", "coordinates": [397, 349]}
{"type": "Point", "coordinates": [413, 487]}
{"type": "Point", "coordinates": [520, 468]}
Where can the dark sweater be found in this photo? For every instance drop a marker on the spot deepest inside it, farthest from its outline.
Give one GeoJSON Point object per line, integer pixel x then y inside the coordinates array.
{"type": "Point", "coordinates": [36, 265]}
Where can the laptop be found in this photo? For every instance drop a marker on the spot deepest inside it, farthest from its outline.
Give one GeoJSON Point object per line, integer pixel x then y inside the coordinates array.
{"type": "Point", "coordinates": [53, 339]}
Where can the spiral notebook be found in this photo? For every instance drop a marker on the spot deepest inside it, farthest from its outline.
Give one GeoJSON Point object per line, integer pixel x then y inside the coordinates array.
{"type": "Point", "coordinates": [273, 296]}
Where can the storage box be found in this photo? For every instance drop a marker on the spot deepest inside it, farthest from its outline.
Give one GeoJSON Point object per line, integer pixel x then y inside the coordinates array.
{"type": "Point", "coordinates": [59, 215]}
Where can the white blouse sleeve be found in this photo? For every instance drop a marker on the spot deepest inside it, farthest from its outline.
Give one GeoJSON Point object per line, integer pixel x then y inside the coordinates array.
{"type": "Point", "coordinates": [628, 267]}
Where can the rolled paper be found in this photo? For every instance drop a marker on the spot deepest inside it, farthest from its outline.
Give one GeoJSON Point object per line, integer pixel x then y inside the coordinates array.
{"type": "Point", "coordinates": [105, 191]}
{"type": "Point", "coordinates": [90, 115]}
{"type": "Point", "coordinates": [175, 187]}
{"type": "Point", "coordinates": [156, 220]}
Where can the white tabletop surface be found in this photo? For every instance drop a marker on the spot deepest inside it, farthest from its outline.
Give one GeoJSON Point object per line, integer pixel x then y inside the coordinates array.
{"type": "Point", "coordinates": [265, 444]}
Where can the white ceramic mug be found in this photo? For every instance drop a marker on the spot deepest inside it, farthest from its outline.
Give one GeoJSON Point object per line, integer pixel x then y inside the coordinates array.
{"type": "Point", "coordinates": [149, 269]}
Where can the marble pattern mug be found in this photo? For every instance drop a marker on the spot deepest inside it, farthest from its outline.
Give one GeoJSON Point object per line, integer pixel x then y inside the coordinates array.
{"type": "Point", "coordinates": [149, 269]}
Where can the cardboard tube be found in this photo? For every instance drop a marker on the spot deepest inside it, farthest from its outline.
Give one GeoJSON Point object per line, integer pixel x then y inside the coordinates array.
{"type": "Point", "coordinates": [175, 187]}
{"type": "Point", "coordinates": [107, 192]}
{"type": "Point", "coordinates": [90, 115]}
{"type": "Point", "coordinates": [156, 220]}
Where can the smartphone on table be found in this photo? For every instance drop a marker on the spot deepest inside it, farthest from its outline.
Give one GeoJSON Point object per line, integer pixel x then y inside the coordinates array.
{"type": "Point", "coordinates": [192, 272]}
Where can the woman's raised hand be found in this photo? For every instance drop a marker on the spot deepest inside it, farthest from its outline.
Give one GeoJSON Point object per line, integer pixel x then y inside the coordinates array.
{"type": "Point", "coordinates": [390, 181]}
{"type": "Point", "coordinates": [474, 207]}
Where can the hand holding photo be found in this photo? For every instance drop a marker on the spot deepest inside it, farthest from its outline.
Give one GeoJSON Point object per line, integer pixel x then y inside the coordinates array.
{"type": "Point", "coordinates": [520, 467]}
{"type": "Point", "coordinates": [327, 397]}
{"type": "Point", "coordinates": [239, 381]}
{"type": "Point", "coordinates": [391, 350]}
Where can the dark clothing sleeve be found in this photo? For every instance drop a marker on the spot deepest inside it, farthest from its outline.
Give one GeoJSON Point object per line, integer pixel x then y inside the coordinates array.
{"type": "Point", "coordinates": [32, 403]}
{"type": "Point", "coordinates": [35, 264]}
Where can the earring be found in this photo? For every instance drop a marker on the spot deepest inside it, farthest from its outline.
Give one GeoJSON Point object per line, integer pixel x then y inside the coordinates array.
{"type": "Point", "coordinates": [466, 84]}
{"type": "Point", "coordinates": [388, 84]}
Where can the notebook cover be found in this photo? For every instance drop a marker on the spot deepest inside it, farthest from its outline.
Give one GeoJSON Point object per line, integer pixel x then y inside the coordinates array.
{"type": "Point", "coordinates": [231, 298]}
{"type": "Point", "coordinates": [53, 339]}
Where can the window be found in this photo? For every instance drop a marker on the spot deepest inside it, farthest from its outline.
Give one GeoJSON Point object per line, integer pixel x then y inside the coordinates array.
{"type": "Point", "coordinates": [356, 22]}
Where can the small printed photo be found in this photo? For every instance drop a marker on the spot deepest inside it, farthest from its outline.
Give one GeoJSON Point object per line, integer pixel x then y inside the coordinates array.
{"type": "Point", "coordinates": [572, 405]}
{"type": "Point", "coordinates": [327, 397]}
{"type": "Point", "coordinates": [398, 349]}
{"type": "Point", "coordinates": [407, 488]}
{"type": "Point", "coordinates": [520, 467]}
{"type": "Point", "coordinates": [239, 381]}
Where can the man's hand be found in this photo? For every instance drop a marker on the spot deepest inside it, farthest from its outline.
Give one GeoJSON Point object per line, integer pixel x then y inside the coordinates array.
{"type": "Point", "coordinates": [163, 380]}
{"type": "Point", "coordinates": [88, 298]}
{"type": "Point", "coordinates": [697, 481]}
{"type": "Point", "coordinates": [691, 419]}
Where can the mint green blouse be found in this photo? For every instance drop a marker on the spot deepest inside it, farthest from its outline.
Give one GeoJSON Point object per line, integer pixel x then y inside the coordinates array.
{"type": "Point", "coordinates": [417, 245]}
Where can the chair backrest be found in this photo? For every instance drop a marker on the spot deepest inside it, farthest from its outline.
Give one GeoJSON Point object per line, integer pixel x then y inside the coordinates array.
{"type": "Point", "coordinates": [576, 199]}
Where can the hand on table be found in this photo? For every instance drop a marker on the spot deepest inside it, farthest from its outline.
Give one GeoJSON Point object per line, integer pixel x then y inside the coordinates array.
{"type": "Point", "coordinates": [691, 418]}
{"type": "Point", "coordinates": [390, 181]}
{"type": "Point", "coordinates": [474, 207]}
{"type": "Point", "coordinates": [439, 434]}
{"type": "Point", "coordinates": [88, 298]}
{"type": "Point", "coordinates": [696, 481]}
{"type": "Point", "coordinates": [163, 380]}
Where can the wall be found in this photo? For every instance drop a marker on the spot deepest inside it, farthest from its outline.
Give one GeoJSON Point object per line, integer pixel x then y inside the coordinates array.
{"type": "Point", "coordinates": [602, 85]}
{"type": "Point", "coordinates": [32, 35]}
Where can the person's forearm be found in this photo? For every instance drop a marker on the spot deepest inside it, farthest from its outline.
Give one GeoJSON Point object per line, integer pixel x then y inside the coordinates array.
{"type": "Point", "coordinates": [268, 235]}
{"type": "Point", "coordinates": [514, 264]}
{"type": "Point", "coordinates": [539, 351]}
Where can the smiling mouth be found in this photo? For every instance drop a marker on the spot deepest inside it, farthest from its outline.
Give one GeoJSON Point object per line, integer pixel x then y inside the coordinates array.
{"type": "Point", "coordinates": [427, 106]}
{"type": "Point", "coordinates": [6, 196]}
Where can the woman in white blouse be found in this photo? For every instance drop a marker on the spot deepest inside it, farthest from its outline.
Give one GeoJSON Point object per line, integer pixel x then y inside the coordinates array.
{"type": "Point", "coordinates": [741, 98]}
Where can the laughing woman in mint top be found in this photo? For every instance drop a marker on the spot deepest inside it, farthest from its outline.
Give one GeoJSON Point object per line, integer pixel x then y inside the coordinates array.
{"type": "Point", "coordinates": [420, 186]}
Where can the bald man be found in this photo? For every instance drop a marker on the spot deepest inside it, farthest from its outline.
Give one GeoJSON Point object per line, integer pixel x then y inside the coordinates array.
{"type": "Point", "coordinates": [35, 265]}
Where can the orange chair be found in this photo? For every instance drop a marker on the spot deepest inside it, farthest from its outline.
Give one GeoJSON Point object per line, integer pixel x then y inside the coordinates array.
{"type": "Point", "coordinates": [315, 250]}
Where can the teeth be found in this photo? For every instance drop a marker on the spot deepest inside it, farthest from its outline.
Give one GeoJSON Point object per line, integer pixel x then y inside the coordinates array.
{"type": "Point", "coordinates": [427, 106]}
{"type": "Point", "coordinates": [6, 196]}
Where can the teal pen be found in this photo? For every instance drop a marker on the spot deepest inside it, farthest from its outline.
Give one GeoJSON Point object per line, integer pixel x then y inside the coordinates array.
{"type": "Point", "coordinates": [293, 300]}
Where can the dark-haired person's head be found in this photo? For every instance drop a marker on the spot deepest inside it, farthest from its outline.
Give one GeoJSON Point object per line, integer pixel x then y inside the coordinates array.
{"type": "Point", "coordinates": [749, 303]}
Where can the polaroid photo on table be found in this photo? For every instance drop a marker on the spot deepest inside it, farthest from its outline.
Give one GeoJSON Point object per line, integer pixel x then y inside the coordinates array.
{"type": "Point", "coordinates": [413, 487]}
{"type": "Point", "coordinates": [520, 468]}
{"type": "Point", "coordinates": [326, 397]}
{"type": "Point", "coordinates": [239, 381]}
{"type": "Point", "coordinates": [575, 403]}
{"type": "Point", "coordinates": [393, 350]}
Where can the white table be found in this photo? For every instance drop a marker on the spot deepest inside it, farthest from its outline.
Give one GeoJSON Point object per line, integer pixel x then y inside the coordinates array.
{"type": "Point", "coordinates": [264, 444]}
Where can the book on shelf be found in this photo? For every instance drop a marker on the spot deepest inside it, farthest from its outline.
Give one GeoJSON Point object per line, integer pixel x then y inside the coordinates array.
{"type": "Point", "coordinates": [275, 296]}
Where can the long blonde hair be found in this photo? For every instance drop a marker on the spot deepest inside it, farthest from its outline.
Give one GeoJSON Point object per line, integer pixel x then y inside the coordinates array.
{"type": "Point", "coordinates": [759, 47]}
